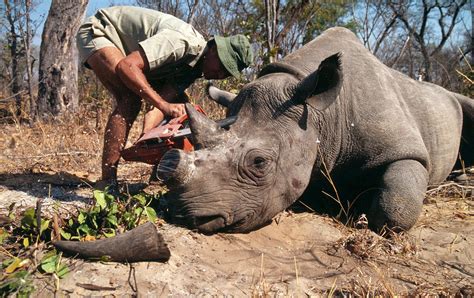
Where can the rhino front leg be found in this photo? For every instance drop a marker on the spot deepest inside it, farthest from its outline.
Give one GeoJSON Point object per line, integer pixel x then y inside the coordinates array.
{"type": "Point", "coordinates": [397, 201]}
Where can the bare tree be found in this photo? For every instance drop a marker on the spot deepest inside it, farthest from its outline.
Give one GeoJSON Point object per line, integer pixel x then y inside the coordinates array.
{"type": "Point", "coordinates": [446, 14]}
{"type": "Point", "coordinates": [13, 16]}
{"type": "Point", "coordinates": [29, 61]}
{"type": "Point", "coordinates": [58, 69]}
{"type": "Point", "coordinates": [376, 23]}
{"type": "Point", "coordinates": [173, 7]}
{"type": "Point", "coordinates": [19, 62]}
{"type": "Point", "coordinates": [271, 23]}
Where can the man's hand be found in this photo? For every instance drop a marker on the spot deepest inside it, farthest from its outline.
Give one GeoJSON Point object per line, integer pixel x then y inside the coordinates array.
{"type": "Point", "coordinates": [173, 110]}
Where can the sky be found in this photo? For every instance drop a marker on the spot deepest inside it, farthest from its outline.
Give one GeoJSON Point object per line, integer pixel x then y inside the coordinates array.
{"type": "Point", "coordinates": [41, 11]}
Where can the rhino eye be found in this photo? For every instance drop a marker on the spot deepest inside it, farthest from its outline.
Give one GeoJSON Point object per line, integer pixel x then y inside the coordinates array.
{"type": "Point", "coordinates": [259, 162]}
{"type": "Point", "coordinates": [256, 166]}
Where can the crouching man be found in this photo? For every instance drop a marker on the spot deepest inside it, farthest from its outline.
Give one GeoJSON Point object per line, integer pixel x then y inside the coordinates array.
{"type": "Point", "coordinates": [139, 53]}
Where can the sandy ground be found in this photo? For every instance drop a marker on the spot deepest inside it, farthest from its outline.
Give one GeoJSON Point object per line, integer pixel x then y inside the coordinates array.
{"type": "Point", "coordinates": [299, 254]}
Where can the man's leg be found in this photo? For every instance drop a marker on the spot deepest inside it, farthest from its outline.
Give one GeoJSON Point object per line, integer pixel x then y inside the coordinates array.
{"type": "Point", "coordinates": [103, 62]}
{"type": "Point", "coordinates": [154, 116]}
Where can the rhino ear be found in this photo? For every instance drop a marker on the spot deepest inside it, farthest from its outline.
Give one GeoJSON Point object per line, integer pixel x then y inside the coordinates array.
{"type": "Point", "coordinates": [222, 97]}
{"type": "Point", "coordinates": [321, 88]}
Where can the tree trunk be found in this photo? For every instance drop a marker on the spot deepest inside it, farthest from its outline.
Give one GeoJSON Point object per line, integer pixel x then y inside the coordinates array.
{"type": "Point", "coordinates": [15, 54]}
{"type": "Point", "coordinates": [271, 20]}
{"type": "Point", "coordinates": [29, 63]}
{"type": "Point", "coordinates": [58, 67]}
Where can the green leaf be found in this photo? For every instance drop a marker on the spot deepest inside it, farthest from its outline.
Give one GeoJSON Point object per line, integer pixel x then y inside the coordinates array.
{"type": "Point", "coordinates": [84, 228]}
{"type": "Point", "coordinates": [81, 218]}
{"type": "Point", "coordinates": [108, 232]}
{"type": "Point", "coordinates": [65, 235]}
{"type": "Point", "coordinates": [112, 219]}
{"type": "Point", "coordinates": [28, 220]}
{"type": "Point", "coordinates": [126, 216]}
{"type": "Point", "coordinates": [138, 211]}
{"type": "Point", "coordinates": [44, 225]}
{"type": "Point", "coordinates": [151, 214]}
{"type": "Point", "coordinates": [48, 263]}
{"type": "Point", "coordinates": [99, 197]}
{"type": "Point", "coordinates": [26, 242]}
{"type": "Point", "coordinates": [13, 265]}
{"type": "Point", "coordinates": [109, 199]}
{"type": "Point", "coordinates": [49, 267]}
{"type": "Point", "coordinates": [113, 209]}
{"type": "Point", "coordinates": [62, 270]}
{"type": "Point", "coordinates": [140, 198]}
{"type": "Point", "coordinates": [96, 210]}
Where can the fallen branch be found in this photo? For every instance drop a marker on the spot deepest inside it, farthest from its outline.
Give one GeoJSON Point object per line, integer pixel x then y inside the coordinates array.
{"type": "Point", "coordinates": [449, 184]}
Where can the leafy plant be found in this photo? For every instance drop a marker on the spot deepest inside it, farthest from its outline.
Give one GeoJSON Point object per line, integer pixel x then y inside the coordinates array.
{"type": "Point", "coordinates": [109, 214]}
{"type": "Point", "coordinates": [104, 218]}
{"type": "Point", "coordinates": [51, 263]}
{"type": "Point", "coordinates": [19, 283]}
{"type": "Point", "coordinates": [29, 228]}
{"type": "Point", "coordinates": [15, 278]}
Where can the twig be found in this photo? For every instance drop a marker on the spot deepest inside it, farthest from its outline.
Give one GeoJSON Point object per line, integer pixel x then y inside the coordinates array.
{"type": "Point", "coordinates": [446, 185]}
{"type": "Point", "coordinates": [464, 76]}
{"type": "Point", "coordinates": [465, 59]}
{"type": "Point", "coordinates": [131, 273]}
{"type": "Point", "coordinates": [92, 287]}
{"type": "Point", "coordinates": [56, 229]}
{"type": "Point", "coordinates": [39, 203]}
{"type": "Point", "coordinates": [296, 272]}
{"type": "Point", "coordinates": [9, 99]}
{"type": "Point", "coordinates": [6, 252]}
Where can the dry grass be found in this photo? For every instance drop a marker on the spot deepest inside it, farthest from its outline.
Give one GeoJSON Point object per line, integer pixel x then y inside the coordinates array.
{"type": "Point", "coordinates": [71, 143]}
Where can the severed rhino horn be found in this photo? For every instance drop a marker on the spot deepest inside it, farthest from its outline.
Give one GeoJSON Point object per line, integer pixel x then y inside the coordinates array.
{"type": "Point", "coordinates": [206, 133]}
{"type": "Point", "coordinates": [143, 243]}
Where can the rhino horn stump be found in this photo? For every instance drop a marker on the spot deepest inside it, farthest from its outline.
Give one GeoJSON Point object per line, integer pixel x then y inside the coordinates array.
{"type": "Point", "coordinates": [175, 168]}
{"type": "Point", "coordinates": [141, 244]}
{"type": "Point", "coordinates": [206, 133]}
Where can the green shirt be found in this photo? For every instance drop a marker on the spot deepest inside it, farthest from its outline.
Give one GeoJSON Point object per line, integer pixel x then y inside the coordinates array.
{"type": "Point", "coordinates": [172, 47]}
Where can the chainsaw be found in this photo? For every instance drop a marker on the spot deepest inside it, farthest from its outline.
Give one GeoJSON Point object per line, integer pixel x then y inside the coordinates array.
{"type": "Point", "coordinates": [170, 134]}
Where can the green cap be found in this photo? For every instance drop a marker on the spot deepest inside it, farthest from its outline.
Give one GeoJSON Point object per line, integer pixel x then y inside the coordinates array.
{"type": "Point", "coordinates": [234, 52]}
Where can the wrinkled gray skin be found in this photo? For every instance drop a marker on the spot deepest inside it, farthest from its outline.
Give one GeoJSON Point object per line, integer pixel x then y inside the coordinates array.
{"type": "Point", "coordinates": [330, 107]}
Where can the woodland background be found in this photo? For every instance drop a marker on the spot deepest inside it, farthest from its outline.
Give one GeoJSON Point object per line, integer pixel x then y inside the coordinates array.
{"type": "Point", "coordinates": [428, 40]}
{"type": "Point", "coordinates": [52, 119]}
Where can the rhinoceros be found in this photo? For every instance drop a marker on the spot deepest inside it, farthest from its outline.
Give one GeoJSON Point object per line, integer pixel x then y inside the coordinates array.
{"type": "Point", "coordinates": [327, 118]}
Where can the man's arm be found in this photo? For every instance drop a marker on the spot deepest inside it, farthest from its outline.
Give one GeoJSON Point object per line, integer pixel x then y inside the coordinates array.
{"type": "Point", "coordinates": [131, 71]}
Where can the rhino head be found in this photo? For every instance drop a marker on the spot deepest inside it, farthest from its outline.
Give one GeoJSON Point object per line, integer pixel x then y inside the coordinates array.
{"type": "Point", "coordinates": [238, 179]}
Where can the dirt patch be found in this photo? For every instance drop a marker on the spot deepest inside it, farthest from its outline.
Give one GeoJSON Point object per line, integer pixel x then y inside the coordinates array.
{"type": "Point", "coordinates": [297, 254]}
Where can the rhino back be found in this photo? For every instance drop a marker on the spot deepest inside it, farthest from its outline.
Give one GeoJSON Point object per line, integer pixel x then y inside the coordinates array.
{"type": "Point", "coordinates": [380, 115]}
